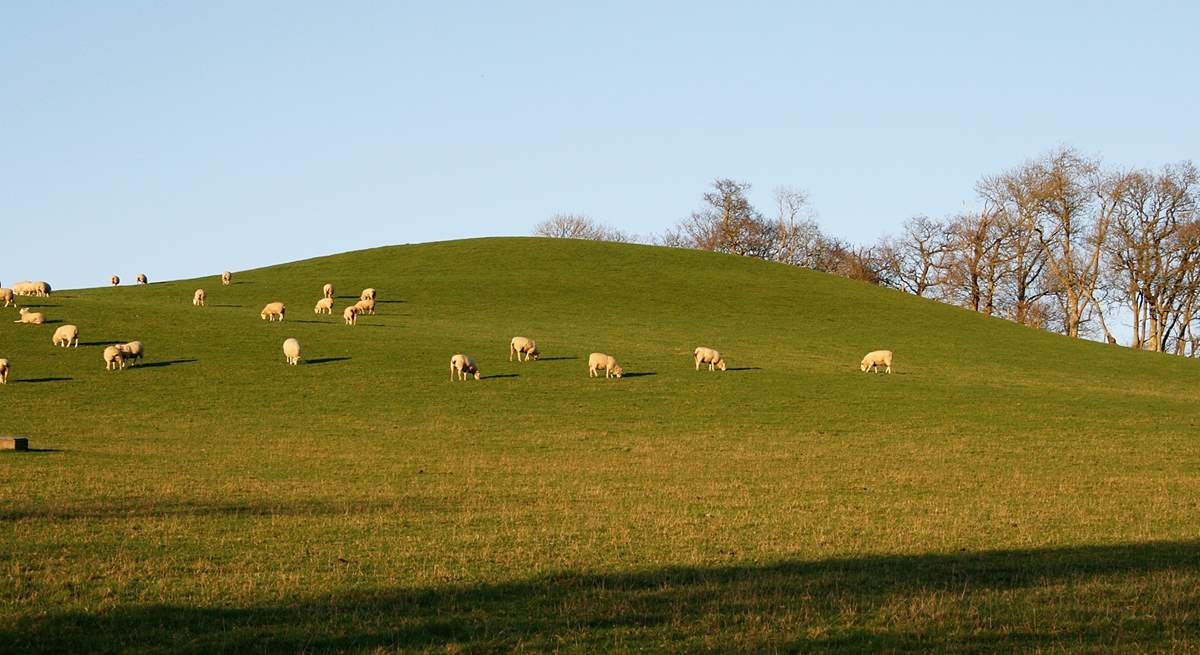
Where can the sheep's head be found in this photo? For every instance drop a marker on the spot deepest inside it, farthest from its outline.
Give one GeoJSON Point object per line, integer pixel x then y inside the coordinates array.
{"type": "Point", "coordinates": [263, 316]}
{"type": "Point", "coordinates": [617, 371]}
{"type": "Point", "coordinates": [24, 310]}
{"type": "Point", "coordinates": [536, 354]}
{"type": "Point", "coordinates": [477, 375]}
{"type": "Point", "coordinates": [721, 364]}
{"type": "Point", "coordinates": [864, 366]}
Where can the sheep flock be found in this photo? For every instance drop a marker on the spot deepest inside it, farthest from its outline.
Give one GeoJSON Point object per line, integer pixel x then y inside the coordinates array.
{"type": "Point", "coordinates": [118, 356]}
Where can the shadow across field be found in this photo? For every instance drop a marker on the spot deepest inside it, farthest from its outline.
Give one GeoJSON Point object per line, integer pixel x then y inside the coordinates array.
{"type": "Point", "coordinates": [557, 359]}
{"type": "Point", "coordinates": [641, 374]}
{"type": "Point", "coordinates": [969, 602]}
{"type": "Point", "coordinates": [237, 306]}
{"type": "Point", "coordinates": [41, 380]}
{"type": "Point", "coordinates": [743, 368]}
{"type": "Point", "coordinates": [500, 376]}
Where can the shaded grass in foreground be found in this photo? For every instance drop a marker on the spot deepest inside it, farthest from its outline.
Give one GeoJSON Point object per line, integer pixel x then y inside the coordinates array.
{"type": "Point", "coordinates": [886, 603]}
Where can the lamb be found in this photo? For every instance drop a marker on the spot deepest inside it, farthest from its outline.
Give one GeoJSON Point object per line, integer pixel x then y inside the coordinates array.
{"type": "Point", "coordinates": [463, 365]}
{"type": "Point", "coordinates": [520, 345]}
{"type": "Point", "coordinates": [113, 358]}
{"type": "Point", "coordinates": [131, 351]}
{"type": "Point", "coordinates": [4, 368]}
{"type": "Point", "coordinates": [7, 296]}
{"type": "Point", "coordinates": [875, 359]}
{"type": "Point", "coordinates": [328, 290]}
{"type": "Point", "coordinates": [351, 315]}
{"type": "Point", "coordinates": [226, 278]}
{"type": "Point", "coordinates": [199, 298]}
{"type": "Point", "coordinates": [272, 310]}
{"type": "Point", "coordinates": [367, 294]}
{"type": "Point", "coordinates": [115, 280]}
{"type": "Point", "coordinates": [708, 356]}
{"type": "Point", "coordinates": [607, 362]}
{"type": "Point", "coordinates": [291, 351]}
{"type": "Point", "coordinates": [31, 318]}
{"type": "Point", "coordinates": [324, 306]}
{"type": "Point", "coordinates": [366, 306]}
{"type": "Point", "coordinates": [141, 279]}
{"type": "Point", "coordinates": [66, 335]}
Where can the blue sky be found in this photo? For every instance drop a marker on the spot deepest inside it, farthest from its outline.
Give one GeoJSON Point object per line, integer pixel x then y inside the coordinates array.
{"type": "Point", "coordinates": [182, 139]}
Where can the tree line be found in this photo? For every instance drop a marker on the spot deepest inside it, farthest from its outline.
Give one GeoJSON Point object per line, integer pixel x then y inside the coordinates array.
{"type": "Point", "coordinates": [1059, 243]}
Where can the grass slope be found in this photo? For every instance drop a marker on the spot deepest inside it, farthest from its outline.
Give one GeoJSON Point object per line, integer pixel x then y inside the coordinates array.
{"type": "Point", "coordinates": [1005, 489]}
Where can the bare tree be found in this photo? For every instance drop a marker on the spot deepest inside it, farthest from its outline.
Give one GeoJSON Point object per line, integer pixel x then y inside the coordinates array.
{"type": "Point", "coordinates": [913, 260]}
{"type": "Point", "coordinates": [974, 261]}
{"type": "Point", "coordinates": [1073, 213]}
{"type": "Point", "coordinates": [1014, 195]}
{"type": "Point", "coordinates": [578, 226]}
{"type": "Point", "coordinates": [1155, 251]}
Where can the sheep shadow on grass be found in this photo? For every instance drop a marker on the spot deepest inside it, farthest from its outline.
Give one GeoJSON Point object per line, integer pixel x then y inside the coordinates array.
{"type": "Point", "coordinates": [556, 359]}
{"type": "Point", "coordinates": [744, 368]}
{"type": "Point", "coordinates": [236, 306]}
{"type": "Point", "coordinates": [638, 375]}
{"type": "Point", "coordinates": [500, 375]}
{"type": "Point", "coordinates": [41, 380]}
{"type": "Point", "coordinates": [325, 360]}
{"type": "Point", "coordinates": [169, 362]}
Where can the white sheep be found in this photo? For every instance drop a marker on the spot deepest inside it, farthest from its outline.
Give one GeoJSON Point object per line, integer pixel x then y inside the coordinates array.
{"type": "Point", "coordinates": [291, 351]}
{"type": "Point", "coordinates": [324, 306]}
{"type": "Point", "coordinates": [328, 290]}
{"type": "Point", "coordinates": [272, 310]}
{"type": "Point", "coordinates": [114, 280]}
{"type": "Point", "coordinates": [66, 335]}
{"type": "Point", "coordinates": [7, 296]}
{"type": "Point", "coordinates": [609, 363]}
{"type": "Point", "coordinates": [875, 359]}
{"type": "Point", "coordinates": [521, 345]}
{"type": "Point", "coordinates": [226, 278]}
{"type": "Point", "coordinates": [367, 294]}
{"type": "Point", "coordinates": [199, 298]}
{"type": "Point", "coordinates": [462, 366]}
{"type": "Point", "coordinates": [366, 306]}
{"type": "Point", "coordinates": [31, 318]}
{"type": "Point", "coordinates": [141, 279]}
{"type": "Point", "coordinates": [41, 289]}
{"type": "Point", "coordinates": [4, 368]}
{"type": "Point", "coordinates": [113, 358]}
{"type": "Point", "coordinates": [350, 314]}
{"type": "Point", "coordinates": [131, 351]}
{"type": "Point", "coordinates": [708, 356]}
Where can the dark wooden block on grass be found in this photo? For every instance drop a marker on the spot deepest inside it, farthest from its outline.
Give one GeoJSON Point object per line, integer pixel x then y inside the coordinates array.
{"type": "Point", "coordinates": [14, 443]}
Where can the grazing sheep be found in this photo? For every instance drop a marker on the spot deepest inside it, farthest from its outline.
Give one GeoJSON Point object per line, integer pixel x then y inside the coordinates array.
{"type": "Point", "coordinates": [31, 318]}
{"type": "Point", "coordinates": [875, 359]}
{"type": "Point", "coordinates": [328, 290]}
{"type": "Point", "coordinates": [367, 294]}
{"type": "Point", "coordinates": [24, 288]}
{"type": "Point", "coordinates": [272, 310]}
{"type": "Point", "coordinates": [291, 351]}
{"type": "Point", "coordinates": [7, 296]}
{"type": "Point", "coordinates": [708, 356]}
{"type": "Point", "coordinates": [141, 279]}
{"type": "Point", "coordinates": [4, 368]}
{"type": "Point", "coordinates": [324, 306]}
{"type": "Point", "coordinates": [41, 289]}
{"type": "Point", "coordinates": [366, 306]}
{"type": "Point", "coordinates": [463, 365]}
{"type": "Point", "coordinates": [609, 363]}
{"type": "Point", "coordinates": [131, 351]}
{"type": "Point", "coordinates": [199, 298]}
{"type": "Point", "coordinates": [66, 335]}
{"type": "Point", "coordinates": [520, 345]}
{"type": "Point", "coordinates": [226, 277]}
{"type": "Point", "coordinates": [113, 358]}
{"type": "Point", "coordinates": [351, 315]}
{"type": "Point", "coordinates": [115, 280]}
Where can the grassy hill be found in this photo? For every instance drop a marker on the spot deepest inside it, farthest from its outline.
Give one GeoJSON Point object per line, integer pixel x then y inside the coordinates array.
{"type": "Point", "coordinates": [1005, 489]}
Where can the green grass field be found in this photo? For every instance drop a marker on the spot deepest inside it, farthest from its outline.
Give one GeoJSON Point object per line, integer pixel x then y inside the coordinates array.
{"type": "Point", "coordinates": [1006, 489]}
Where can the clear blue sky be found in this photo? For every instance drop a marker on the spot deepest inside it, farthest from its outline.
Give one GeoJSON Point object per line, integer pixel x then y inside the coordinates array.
{"type": "Point", "coordinates": [181, 139]}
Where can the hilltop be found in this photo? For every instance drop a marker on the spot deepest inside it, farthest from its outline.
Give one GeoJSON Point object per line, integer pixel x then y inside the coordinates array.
{"type": "Point", "coordinates": [216, 498]}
